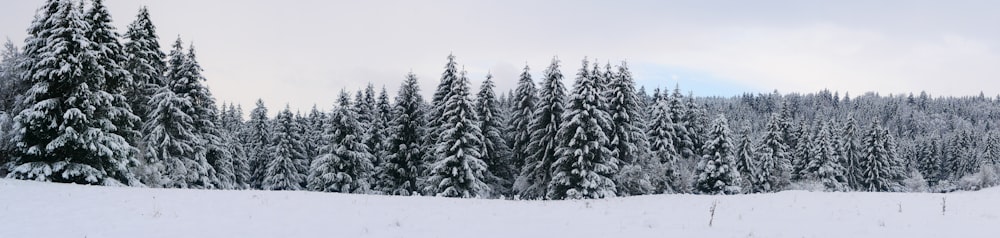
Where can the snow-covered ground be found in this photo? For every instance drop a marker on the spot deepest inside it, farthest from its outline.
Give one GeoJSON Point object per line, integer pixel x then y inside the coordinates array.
{"type": "Point", "coordinates": [33, 209]}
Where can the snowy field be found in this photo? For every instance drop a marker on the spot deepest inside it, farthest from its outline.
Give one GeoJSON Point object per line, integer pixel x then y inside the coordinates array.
{"type": "Point", "coordinates": [33, 209]}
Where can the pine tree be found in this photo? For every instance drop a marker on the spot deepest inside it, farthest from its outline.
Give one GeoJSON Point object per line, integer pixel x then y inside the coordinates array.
{"type": "Point", "coordinates": [257, 138]}
{"type": "Point", "coordinates": [683, 142]}
{"type": "Point", "coordinates": [459, 171]}
{"type": "Point", "coordinates": [283, 171]}
{"type": "Point", "coordinates": [66, 130]}
{"type": "Point", "coordinates": [345, 162]}
{"type": "Point", "coordinates": [823, 164]}
{"type": "Point", "coordinates": [170, 135]}
{"type": "Point", "coordinates": [661, 136]}
{"type": "Point", "coordinates": [313, 132]}
{"type": "Point", "coordinates": [523, 109]}
{"type": "Point", "coordinates": [371, 122]}
{"type": "Point", "coordinates": [12, 87]}
{"type": "Point", "coordinates": [494, 149]}
{"type": "Point", "coordinates": [231, 124]}
{"type": "Point", "coordinates": [627, 130]}
{"type": "Point", "coordinates": [584, 164]}
{"type": "Point", "coordinates": [747, 164]}
{"type": "Point", "coordinates": [851, 153]}
{"type": "Point", "coordinates": [145, 61]}
{"type": "Point", "coordinates": [882, 169]}
{"type": "Point", "coordinates": [696, 119]}
{"type": "Point", "coordinates": [383, 131]}
{"type": "Point", "coordinates": [216, 147]}
{"type": "Point", "coordinates": [803, 149]}
{"type": "Point", "coordinates": [399, 174]}
{"type": "Point", "coordinates": [436, 109]}
{"type": "Point", "coordinates": [716, 170]}
{"type": "Point", "coordinates": [774, 169]}
{"type": "Point", "coordinates": [184, 78]}
{"type": "Point", "coordinates": [11, 80]}
{"type": "Point", "coordinates": [536, 175]}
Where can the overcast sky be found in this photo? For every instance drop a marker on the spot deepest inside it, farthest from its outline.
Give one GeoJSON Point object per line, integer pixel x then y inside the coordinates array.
{"type": "Point", "coordinates": [304, 52]}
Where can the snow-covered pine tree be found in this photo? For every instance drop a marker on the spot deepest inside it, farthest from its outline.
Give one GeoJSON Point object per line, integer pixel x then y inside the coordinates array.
{"type": "Point", "coordinates": [183, 77]}
{"type": "Point", "coordinates": [301, 125]}
{"type": "Point", "coordinates": [627, 136]}
{"type": "Point", "coordinates": [170, 136]}
{"type": "Point", "coordinates": [370, 120]}
{"type": "Point", "coordinates": [523, 109]}
{"type": "Point", "coordinates": [313, 134]}
{"type": "Point", "coordinates": [803, 149]}
{"type": "Point", "coordinates": [851, 153]}
{"type": "Point", "coordinates": [747, 164]}
{"type": "Point", "coordinates": [344, 164]}
{"type": "Point", "coordinates": [494, 149]}
{"type": "Point", "coordinates": [716, 170]}
{"type": "Point", "coordinates": [697, 122]}
{"type": "Point", "coordinates": [384, 111]}
{"type": "Point", "coordinates": [683, 141]}
{"type": "Point", "coordinates": [283, 170]}
{"type": "Point", "coordinates": [400, 172]}
{"type": "Point", "coordinates": [117, 81]}
{"type": "Point", "coordinates": [774, 169]}
{"type": "Point", "coordinates": [231, 124]}
{"type": "Point", "coordinates": [459, 170]}
{"type": "Point", "coordinates": [882, 168]}
{"type": "Point", "coordinates": [217, 151]}
{"type": "Point", "coordinates": [585, 165]}
{"type": "Point", "coordinates": [65, 132]}
{"type": "Point", "coordinates": [929, 159]}
{"type": "Point", "coordinates": [12, 87]}
{"type": "Point", "coordinates": [12, 83]}
{"type": "Point", "coordinates": [661, 138]}
{"type": "Point", "coordinates": [436, 109]}
{"type": "Point", "coordinates": [145, 62]}
{"type": "Point", "coordinates": [533, 181]}
{"type": "Point", "coordinates": [823, 164]}
{"type": "Point", "coordinates": [257, 139]}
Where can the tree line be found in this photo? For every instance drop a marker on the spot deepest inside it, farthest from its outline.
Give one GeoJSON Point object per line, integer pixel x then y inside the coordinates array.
{"type": "Point", "coordinates": [85, 104]}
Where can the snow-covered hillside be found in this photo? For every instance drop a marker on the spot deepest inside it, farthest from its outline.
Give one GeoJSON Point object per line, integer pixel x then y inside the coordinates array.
{"type": "Point", "coordinates": [33, 209]}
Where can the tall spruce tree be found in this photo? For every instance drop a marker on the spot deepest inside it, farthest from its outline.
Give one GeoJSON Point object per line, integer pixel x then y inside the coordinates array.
{"type": "Point", "coordinates": [231, 123]}
{"type": "Point", "coordinates": [170, 136]}
{"type": "Point", "coordinates": [535, 176]}
{"type": "Point", "coordinates": [257, 138]}
{"type": "Point", "coordinates": [523, 110]}
{"type": "Point", "coordinates": [184, 78]}
{"type": "Point", "coordinates": [401, 171]}
{"type": "Point", "coordinates": [661, 136]}
{"type": "Point", "coordinates": [746, 164]}
{"type": "Point", "coordinates": [823, 164]}
{"type": "Point", "coordinates": [882, 168]}
{"type": "Point", "coordinates": [495, 152]}
{"type": "Point", "coordinates": [66, 130]}
{"type": "Point", "coordinates": [852, 153]}
{"type": "Point", "coordinates": [584, 164]}
{"type": "Point", "coordinates": [111, 57]}
{"type": "Point", "coordinates": [345, 162]}
{"type": "Point", "coordinates": [626, 133]}
{"type": "Point", "coordinates": [459, 170]}
{"type": "Point", "coordinates": [436, 108]}
{"type": "Point", "coordinates": [774, 169]}
{"type": "Point", "coordinates": [716, 170]}
{"type": "Point", "coordinates": [683, 141]}
{"type": "Point", "coordinates": [145, 62]}
{"type": "Point", "coordinates": [283, 171]}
